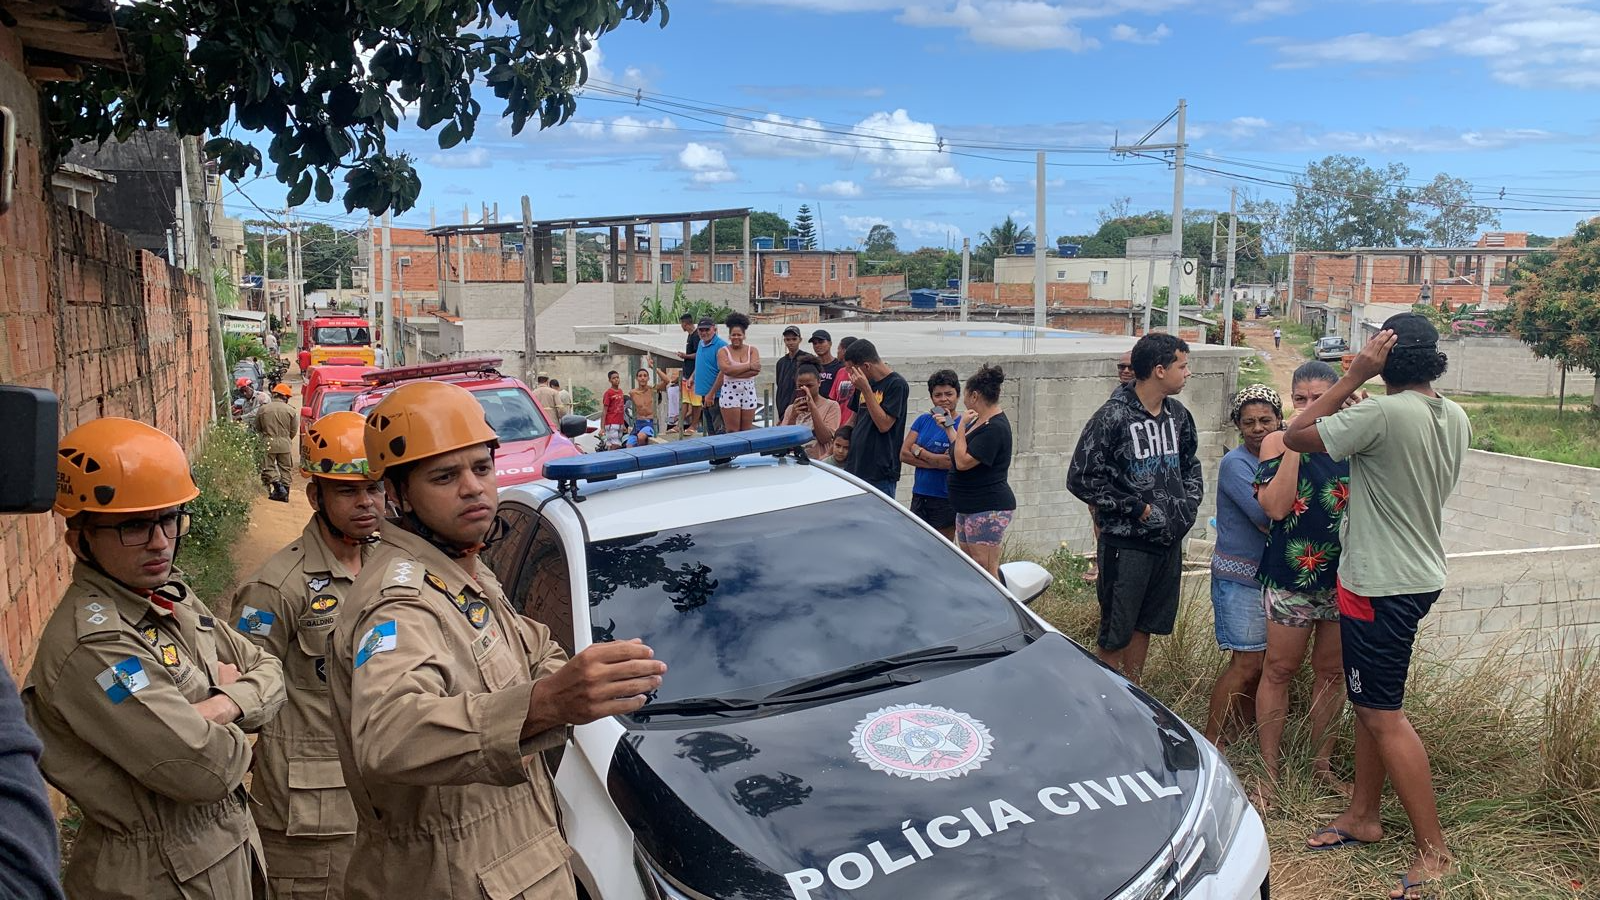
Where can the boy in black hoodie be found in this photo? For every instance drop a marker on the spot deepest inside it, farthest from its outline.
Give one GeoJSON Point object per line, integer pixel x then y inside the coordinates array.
{"type": "Point", "coordinates": [1136, 466]}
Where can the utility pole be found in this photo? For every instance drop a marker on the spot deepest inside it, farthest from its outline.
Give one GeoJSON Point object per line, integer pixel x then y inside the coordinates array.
{"type": "Point", "coordinates": [530, 311]}
{"type": "Point", "coordinates": [195, 180]}
{"type": "Point", "coordinates": [966, 271]}
{"type": "Point", "coordinates": [1039, 303]}
{"type": "Point", "coordinates": [1137, 148]}
{"type": "Point", "coordinates": [387, 327]}
{"type": "Point", "coordinates": [372, 265]}
{"type": "Point", "coordinates": [266, 278]}
{"type": "Point", "coordinates": [1227, 281]}
{"type": "Point", "coordinates": [1211, 269]}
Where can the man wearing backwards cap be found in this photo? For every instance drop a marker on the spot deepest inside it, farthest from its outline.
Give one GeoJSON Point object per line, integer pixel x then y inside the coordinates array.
{"type": "Point", "coordinates": [1405, 451]}
{"type": "Point", "coordinates": [788, 364]}
{"type": "Point", "coordinates": [141, 698]}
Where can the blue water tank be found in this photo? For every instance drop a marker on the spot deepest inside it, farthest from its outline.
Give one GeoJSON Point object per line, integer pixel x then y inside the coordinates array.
{"type": "Point", "coordinates": [924, 299]}
{"type": "Point", "coordinates": [1023, 248]}
{"type": "Point", "coordinates": [950, 299]}
{"type": "Point", "coordinates": [953, 284]}
{"type": "Point", "coordinates": [1065, 249]}
{"type": "Point", "coordinates": [791, 244]}
{"type": "Point", "coordinates": [761, 243]}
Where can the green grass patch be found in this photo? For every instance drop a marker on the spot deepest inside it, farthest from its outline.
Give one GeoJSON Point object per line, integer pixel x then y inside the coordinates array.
{"type": "Point", "coordinates": [1518, 780]}
{"type": "Point", "coordinates": [1572, 437]}
{"type": "Point", "coordinates": [1301, 337]}
{"type": "Point", "coordinates": [228, 473]}
{"type": "Point", "coordinates": [1252, 370]}
{"type": "Point", "coordinates": [1579, 402]}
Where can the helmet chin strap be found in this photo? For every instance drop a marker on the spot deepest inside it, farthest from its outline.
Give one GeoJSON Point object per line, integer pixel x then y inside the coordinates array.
{"type": "Point", "coordinates": [414, 524]}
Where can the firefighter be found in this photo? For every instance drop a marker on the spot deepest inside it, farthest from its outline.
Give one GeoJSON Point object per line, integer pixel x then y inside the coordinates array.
{"type": "Point", "coordinates": [141, 698]}
{"type": "Point", "coordinates": [279, 424]}
{"type": "Point", "coordinates": [442, 694]}
{"type": "Point", "coordinates": [288, 609]}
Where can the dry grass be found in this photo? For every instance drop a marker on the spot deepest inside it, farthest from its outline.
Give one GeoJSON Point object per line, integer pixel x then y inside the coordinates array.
{"type": "Point", "coordinates": [1518, 780]}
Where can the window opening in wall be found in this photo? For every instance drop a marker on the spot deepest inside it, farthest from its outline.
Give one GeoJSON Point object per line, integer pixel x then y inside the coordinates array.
{"type": "Point", "coordinates": [722, 273]}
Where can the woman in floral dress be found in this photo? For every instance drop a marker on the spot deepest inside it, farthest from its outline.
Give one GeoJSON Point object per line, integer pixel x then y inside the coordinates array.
{"type": "Point", "coordinates": [1305, 495]}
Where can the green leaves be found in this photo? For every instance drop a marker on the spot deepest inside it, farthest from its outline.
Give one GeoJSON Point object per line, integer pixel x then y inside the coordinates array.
{"type": "Point", "coordinates": [291, 70]}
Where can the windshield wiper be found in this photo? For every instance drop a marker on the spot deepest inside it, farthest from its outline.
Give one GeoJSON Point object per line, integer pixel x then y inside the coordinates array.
{"type": "Point", "coordinates": [942, 653]}
{"type": "Point", "coordinates": [741, 704]}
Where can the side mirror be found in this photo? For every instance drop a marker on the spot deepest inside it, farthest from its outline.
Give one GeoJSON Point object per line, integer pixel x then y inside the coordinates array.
{"type": "Point", "coordinates": [28, 445]}
{"type": "Point", "coordinates": [1025, 580]}
{"type": "Point", "coordinates": [305, 412]}
{"type": "Point", "coordinates": [574, 426]}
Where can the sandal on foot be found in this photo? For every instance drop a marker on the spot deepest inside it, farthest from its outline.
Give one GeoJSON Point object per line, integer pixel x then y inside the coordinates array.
{"type": "Point", "coordinates": [1345, 839]}
{"type": "Point", "coordinates": [1407, 886]}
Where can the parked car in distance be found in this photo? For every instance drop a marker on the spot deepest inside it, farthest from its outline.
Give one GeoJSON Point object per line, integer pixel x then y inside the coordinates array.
{"type": "Point", "coordinates": [834, 722]}
{"type": "Point", "coordinates": [1331, 347]}
{"type": "Point", "coordinates": [528, 438]}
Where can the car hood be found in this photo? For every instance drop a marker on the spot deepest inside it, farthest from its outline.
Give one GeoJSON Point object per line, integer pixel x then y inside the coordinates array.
{"type": "Point", "coordinates": [1070, 781]}
{"type": "Point", "coordinates": [519, 462]}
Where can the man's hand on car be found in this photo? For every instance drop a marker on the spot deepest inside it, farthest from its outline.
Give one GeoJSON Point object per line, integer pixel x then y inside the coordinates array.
{"type": "Point", "coordinates": [601, 680]}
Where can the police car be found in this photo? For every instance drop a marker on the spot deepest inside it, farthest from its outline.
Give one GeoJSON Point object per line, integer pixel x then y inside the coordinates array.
{"type": "Point", "coordinates": [852, 709]}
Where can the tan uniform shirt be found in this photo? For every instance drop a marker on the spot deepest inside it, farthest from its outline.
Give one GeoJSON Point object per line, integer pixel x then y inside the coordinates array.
{"type": "Point", "coordinates": [288, 609]}
{"type": "Point", "coordinates": [280, 425]}
{"type": "Point", "coordinates": [431, 674]}
{"type": "Point", "coordinates": [545, 396]}
{"type": "Point", "coordinates": [111, 695]}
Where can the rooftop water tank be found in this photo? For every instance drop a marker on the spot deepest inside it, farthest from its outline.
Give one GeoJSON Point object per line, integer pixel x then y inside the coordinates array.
{"type": "Point", "coordinates": [791, 244]}
{"type": "Point", "coordinates": [1065, 249]}
{"type": "Point", "coordinates": [761, 243]}
{"type": "Point", "coordinates": [948, 299]}
{"type": "Point", "coordinates": [1023, 248]}
{"type": "Point", "coordinates": [924, 299]}
{"type": "Point", "coordinates": [953, 284]}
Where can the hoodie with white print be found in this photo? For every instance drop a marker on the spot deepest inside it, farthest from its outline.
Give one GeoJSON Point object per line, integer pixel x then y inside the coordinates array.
{"type": "Point", "coordinates": [1127, 459]}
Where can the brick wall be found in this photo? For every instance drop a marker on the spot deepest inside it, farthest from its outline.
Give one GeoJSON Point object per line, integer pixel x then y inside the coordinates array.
{"type": "Point", "coordinates": [112, 330]}
{"type": "Point", "coordinates": [873, 288]}
{"type": "Point", "coordinates": [1399, 279]}
{"type": "Point", "coordinates": [811, 274]}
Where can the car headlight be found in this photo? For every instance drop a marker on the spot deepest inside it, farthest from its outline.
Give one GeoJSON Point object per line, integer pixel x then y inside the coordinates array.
{"type": "Point", "coordinates": [1203, 839]}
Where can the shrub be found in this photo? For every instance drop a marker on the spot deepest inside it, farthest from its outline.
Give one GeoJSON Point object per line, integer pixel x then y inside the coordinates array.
{"type": "Point", "coordinates": [228, 475]}
{"type": "Point", "coordinates": [583, 401]}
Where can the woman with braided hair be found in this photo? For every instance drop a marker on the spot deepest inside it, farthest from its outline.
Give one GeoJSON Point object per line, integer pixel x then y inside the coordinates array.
{"type": "Point", "coordinates": [1242, 526]}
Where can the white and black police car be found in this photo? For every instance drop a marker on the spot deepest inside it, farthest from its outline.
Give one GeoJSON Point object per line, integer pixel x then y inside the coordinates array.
{"type": "Point", "coordinates": [852, 708]}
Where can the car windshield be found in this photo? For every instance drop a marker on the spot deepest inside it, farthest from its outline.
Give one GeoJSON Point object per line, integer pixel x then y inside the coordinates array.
{"type": "Point", "coordinates": [512, 414]}
{"type": "Point", "coordinates": [341, 336]}
{"type": "Point", "coordinates": [337, 401]}
{"type": "Point", "coordinates": [737, 605]}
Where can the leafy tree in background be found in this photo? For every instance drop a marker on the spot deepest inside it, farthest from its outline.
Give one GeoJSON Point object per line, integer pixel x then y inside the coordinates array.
{"type": "Point", "coordinates": [999, 240]}
{"type": "Point", "coordinates": [805, 228]}
{"type": "Point", "coordinates": [1341, 202]}
{"type": "Point", "coordinates": [1554, 301]}
{"type": "Point", "coordinates": [1449, 215]}
{"type": "Point", "coordinates": [326, 254]}
{"type": "Point", "coordinates": [730, 232]}
{"type": "Point", "coordinates": [328, 81]}
{"type": "Point", "coordinates": [881, 242]}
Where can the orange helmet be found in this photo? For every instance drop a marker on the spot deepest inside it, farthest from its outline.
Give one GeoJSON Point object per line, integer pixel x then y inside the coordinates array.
{"type": "Point", "coordinates": [423, 419]}
{"type": "Point", "coordinates": [241, 381]}
{"type": "Point", "coordinates": [282, 390]}
{"type": "Point", "coordinates": [117, 465]}
{"type": "Point", "coordinates": [333, 448]}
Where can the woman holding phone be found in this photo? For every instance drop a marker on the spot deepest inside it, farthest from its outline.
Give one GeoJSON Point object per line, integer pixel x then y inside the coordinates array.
{"type": "Point", "coordinates": [980, 451]}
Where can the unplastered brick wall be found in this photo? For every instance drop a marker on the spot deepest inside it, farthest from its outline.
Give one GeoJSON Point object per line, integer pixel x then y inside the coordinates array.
{"type": "Point", "coordinates": [113, 331]}
{"type": "Point", "coordinates": [1514, 503]}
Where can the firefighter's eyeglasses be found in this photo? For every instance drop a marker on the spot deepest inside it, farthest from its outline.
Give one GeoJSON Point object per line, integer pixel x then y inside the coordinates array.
{"type": "Point", "coordinates": [138, 532]}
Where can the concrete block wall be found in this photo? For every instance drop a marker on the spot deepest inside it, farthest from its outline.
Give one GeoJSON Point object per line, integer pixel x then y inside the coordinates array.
{"type": "Point", "coordinates": [1511, 502]}
{"type": "Point", "coordinates": [1530, 604]}
{"type": "Point", "coordinates": [1505, 365]}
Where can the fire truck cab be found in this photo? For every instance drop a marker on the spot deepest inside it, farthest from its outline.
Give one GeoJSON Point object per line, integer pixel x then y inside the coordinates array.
{"type": "Point", "coordinates": [327, 337]}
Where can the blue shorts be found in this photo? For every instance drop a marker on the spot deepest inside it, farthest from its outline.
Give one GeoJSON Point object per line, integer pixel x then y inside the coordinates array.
{"type": "Point", "coordinates": [1241, 617]}
{"type": "Point", "coordinates": [643, 431]}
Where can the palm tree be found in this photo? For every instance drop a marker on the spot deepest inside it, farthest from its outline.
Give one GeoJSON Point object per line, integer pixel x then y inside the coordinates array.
{"type": "Point", "coordinates": [1002, 239]}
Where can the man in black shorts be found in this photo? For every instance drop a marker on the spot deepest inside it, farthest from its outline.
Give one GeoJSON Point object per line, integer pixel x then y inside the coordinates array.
{"type": "Point", "coordinates": [1135, 465]}
{"type": "Point", "coordinates": [1405, 450]}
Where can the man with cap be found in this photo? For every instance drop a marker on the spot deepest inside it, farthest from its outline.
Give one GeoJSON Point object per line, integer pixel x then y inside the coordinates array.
{"type": "Point", "coordinates": [288, 608]}
{"type": "Point", "coordinates": [708, 372]}
{"type": "Point", "coordinates": [442, 695]}
{"type": "Point", "coordinates": [788, 363]}
{"type": "Point", "coordinates": [1405, 450]}
{"type": "Point", "coordinates": [545, 395]}
{"type": "Point", "coordinates": [828, 365]}
{"type": "Point", "coordinates": [279, 425]}
{"type": "Point", "coordinates": [141, 698]}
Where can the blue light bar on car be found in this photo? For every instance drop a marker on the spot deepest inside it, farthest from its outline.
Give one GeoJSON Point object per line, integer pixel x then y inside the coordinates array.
{"type": "Point", "coordinates": [596, 466]}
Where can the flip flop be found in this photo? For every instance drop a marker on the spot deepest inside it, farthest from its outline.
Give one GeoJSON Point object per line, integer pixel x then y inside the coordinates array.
{"type": "Point", "coordinates": [1407, 886]}
{"type": "Point", "coordinates": [1346, 839]}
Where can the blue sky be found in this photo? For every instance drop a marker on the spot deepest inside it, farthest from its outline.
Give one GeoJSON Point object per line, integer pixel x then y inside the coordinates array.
{"type": "Point", "coordinates": [1500, 93]}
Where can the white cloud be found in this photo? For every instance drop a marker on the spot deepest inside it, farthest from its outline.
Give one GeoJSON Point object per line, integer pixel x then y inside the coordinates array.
{"type": "Point", "coordinates": [628, 129]}
{"type": "Point", "coordinates": [460, 157]}
{"type": "Point", "coordinates": [1525, 43]}
{"type": "Point", "coordinates": [585, 129]}
{"type": "Point", "coordinates": [1132, 35]}
{"type": "Point", "coordinates": [840, 189]}
{"type": "Point", "coordinates": [1404, 141]}
{"type": "Point", "coordinates": [599, 71]}
{"type": "Point", "coordinates": [1257, 10]}
{"type": "Point", "coordinates": [927, 230]}
{"type": "Point", "coordinates": [707, 164]}
{"type": "Point", "coordinates": [859, 224]}
{"type": "Point", "coordinates": [998, 185]}
{"type": "Point", "coordinates": [1251, 123]}
{"type": "Point", "coordinates": [902, 151]}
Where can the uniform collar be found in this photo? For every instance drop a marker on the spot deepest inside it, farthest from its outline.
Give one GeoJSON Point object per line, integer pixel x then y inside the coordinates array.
{"type": "Point", "coordinates": [132, 605]}
{"type": "Point", "coordinates": [319, 557]}
{"type": "Point", "coordinates": [434, 560]}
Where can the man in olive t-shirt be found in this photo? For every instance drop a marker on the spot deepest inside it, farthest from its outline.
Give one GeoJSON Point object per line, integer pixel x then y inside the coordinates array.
{"type": "Point", "coordinates": [1405, 451]}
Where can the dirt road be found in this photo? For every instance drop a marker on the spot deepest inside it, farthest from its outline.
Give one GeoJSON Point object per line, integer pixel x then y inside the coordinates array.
{"type": "Point", "coordinates": [1281, 361]}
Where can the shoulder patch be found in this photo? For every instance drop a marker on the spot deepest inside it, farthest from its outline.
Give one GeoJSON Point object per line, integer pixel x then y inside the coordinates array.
{"type": "Point", "coordinates": [254, 621]}
{"type": "Point", "coordinates": [319, 582]}
{"type": "Point", "coordinates": [123, 680]}
{"type": "Point", "coordinates": [380, 638]}
{"type": "Point", "coordinates": [207, 622]}
{"type": "Point", "coordinates": [97, 620]}
{"type": "Point", "coordinates": [400, 578]}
